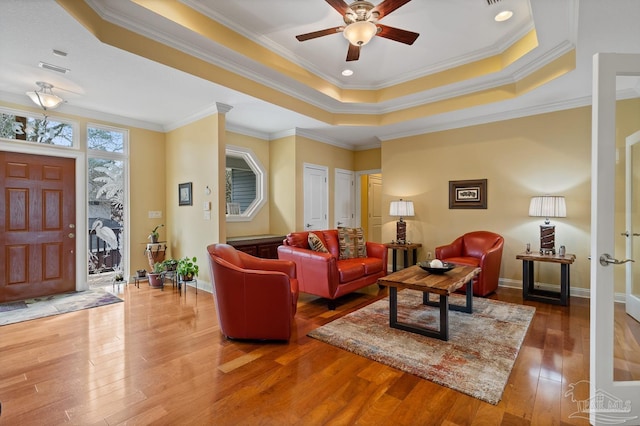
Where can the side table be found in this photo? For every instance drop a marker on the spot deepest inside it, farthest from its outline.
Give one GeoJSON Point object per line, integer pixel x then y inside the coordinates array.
{"type": "Point", "coordinates": [405, 249]}
{"type": "Point", "coordinates": [554, 297]}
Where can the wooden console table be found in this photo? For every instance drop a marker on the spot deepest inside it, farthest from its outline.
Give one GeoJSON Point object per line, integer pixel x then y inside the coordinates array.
{"type": "Point", "coordinates": [265, 246]}
{"type": "Point", "coordinates": [554, 297]}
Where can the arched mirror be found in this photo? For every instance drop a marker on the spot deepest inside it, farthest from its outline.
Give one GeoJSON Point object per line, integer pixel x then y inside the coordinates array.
{"type": "Point", "coordinates": [246, 184]}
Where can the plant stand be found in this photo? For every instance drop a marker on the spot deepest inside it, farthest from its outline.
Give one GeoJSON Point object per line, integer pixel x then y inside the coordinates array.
{"type": "Point", "coordinates": [155, 253]}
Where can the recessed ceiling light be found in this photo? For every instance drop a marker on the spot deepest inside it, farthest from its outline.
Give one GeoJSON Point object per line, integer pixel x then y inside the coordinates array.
{"type": "Point", "coordinates": [503, 16]}
{"type": "Point", "coordinates": [347, 73]}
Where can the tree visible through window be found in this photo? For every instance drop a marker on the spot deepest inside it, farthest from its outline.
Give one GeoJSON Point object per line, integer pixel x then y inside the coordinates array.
{"type": "Point", "coordinates": [39, 130]}
{"type": "Point", "coordinates": [106, 195]}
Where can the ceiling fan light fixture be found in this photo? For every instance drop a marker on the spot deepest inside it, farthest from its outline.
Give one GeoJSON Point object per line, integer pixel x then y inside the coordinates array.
{"type": "Point", "coordinates": [360, 33]}
{"type": "Point", "coordinates": [503, 16]}
{"type": "Point", "coordinates": [43, 97]}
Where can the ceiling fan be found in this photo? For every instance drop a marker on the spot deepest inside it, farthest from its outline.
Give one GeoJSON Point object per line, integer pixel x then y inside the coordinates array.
{"type": "Point", "coordinates": [361, 19]}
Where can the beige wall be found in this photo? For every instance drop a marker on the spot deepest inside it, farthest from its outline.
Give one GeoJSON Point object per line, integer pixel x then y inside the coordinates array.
{"type": "Point", "coordinates": [146, 191]}
{"type": "Point", "coordinates": [194, 155]}
{"type": "Point", "coordinates": [536, 155]}
{"type": "Point", "coordinates": [282, 185]}
{"type": "Point", "coordinates": [369, 159]}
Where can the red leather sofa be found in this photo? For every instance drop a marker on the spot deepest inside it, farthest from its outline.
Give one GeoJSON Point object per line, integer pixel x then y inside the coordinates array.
{"type": "Point", "coordinates": [255, 298]}
{"type": "Point", "coordinates": [323, 274]}
{"type": "Point", "coordinates": [478, 248]}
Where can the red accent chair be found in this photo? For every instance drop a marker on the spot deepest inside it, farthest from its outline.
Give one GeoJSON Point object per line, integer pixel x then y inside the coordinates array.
{"type": "Point", "coordinates": [478, 248]}
{"type": "Point", "coordinates": [255, 298]}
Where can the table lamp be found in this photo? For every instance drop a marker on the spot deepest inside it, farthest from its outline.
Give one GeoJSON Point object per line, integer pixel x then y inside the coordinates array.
{"type": "Point", "coordinates": [401, 208]}
{"type": "Point", "coordinates": [547, 206]}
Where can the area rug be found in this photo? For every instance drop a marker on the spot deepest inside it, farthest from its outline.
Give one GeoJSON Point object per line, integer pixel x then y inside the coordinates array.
{"type": "Point", "coordinates": [45, 306]}
{"type": "Point", "coordinates": [476, 360]}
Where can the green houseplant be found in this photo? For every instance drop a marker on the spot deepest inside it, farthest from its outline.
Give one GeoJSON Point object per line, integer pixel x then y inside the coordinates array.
{"type": "Point", "coordinates": [187, 268]}
{"type": "Point", "coordinates": [156, 276]}
{"type": "Point", "coordinates": [154, 235]}
{"type": "Point", "coordinates": [170, 264]}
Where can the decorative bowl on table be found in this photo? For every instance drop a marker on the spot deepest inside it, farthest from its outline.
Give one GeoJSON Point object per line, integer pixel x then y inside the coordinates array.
{"type": "Point", "coordinates": [436, 267]}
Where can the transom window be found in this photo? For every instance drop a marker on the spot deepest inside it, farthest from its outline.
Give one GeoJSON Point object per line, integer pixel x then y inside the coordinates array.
{"type": "Point", "coordinates": [21, 126]}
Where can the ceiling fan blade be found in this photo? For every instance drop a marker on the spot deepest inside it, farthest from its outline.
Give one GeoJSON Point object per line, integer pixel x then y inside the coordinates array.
{"type": "Point", "coordinates": [353, 54]}
{"type": "Point", "coordinates": [339, 5]}
{"type": "Point", "coordinates": [316, 34]}
{"type": "Point", "coordinates": [388, 6]}
{"type": "Point", "coordinates": [396, 34]}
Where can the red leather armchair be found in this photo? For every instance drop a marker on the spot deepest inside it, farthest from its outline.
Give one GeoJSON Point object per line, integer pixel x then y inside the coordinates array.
{"type": "Point", "coordinates": [255, 298]}
{"type": "Point", "coordinates": [478, 248]}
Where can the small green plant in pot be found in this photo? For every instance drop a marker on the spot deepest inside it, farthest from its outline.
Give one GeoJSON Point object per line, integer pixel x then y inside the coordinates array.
{"type": "Point", "coordinates": [154, 235]}
{"type": "Point", "coordinates": [188, 268]}
{"type": "Point", "coordinates": [156, 276]}
{"type": "Point", "coordinates": [170, 264]}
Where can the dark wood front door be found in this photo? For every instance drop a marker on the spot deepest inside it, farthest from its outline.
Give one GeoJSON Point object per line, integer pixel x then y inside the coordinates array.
{"type": "Point", "coordinates": [37, 226]}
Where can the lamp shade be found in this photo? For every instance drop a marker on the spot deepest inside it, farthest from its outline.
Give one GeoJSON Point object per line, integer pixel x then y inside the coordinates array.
{"type": "Point", "coordinates": [401, 208]}
{"type": "Point", "coordinates": [548, 206]}
{"type": "Point", "coordinates": [360, 33]}
{"type": "Point", "coordinates": [43, 97]}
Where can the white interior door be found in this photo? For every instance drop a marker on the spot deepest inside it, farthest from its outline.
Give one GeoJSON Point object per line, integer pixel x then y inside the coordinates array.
{"type": "Point", "coordinates": [632, 221]}
{"type": "Point", "coordinates": [375, 208]}
{"type": "Point", "coordinates": [316, 198]}
{"type": "Point", "coordinates": [344, 198]}
{"type": "Point", "coordinates": [610, 401]}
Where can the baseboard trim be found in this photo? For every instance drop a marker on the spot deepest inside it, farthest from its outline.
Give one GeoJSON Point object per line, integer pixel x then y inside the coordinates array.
{"type": "Point", "coordinates": [584, 293]}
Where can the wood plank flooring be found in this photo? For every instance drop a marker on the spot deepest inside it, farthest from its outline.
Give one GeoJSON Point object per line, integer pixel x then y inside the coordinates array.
{"type": "Point", "coordinates": [159, 358]}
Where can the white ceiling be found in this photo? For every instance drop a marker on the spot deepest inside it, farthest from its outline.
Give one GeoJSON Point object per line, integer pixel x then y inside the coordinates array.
{"type": "Point", "coordinates": [108, 83]}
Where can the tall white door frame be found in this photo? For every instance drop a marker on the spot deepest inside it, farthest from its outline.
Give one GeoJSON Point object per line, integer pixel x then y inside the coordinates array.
{"type": "Point", "coordinates": [316, 197]}
{"type": "Point", "coordinates": [609, 400]}
{"type": "Point", "coordinates": [359, 192]}
{"type": "Point", "coordinates": [344, 198]}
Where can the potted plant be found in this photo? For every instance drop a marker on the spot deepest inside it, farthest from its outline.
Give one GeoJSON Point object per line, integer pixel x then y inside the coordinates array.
{"type": "Point", "coordinates": [187, 268]}
{"type": "Point", "coordinates": [170, 264]}
{"type": "Point", "coordinates": [154, 235]}
{"type": "Point", "coordinates": [156, 278]}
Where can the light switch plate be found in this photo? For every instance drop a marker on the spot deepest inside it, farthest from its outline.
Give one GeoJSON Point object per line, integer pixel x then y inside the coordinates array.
{"type": "Point", "coordinates": [155, 214]}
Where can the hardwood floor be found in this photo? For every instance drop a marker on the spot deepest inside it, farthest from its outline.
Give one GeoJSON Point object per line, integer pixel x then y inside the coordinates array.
{"type": "Point", "coordinates": [160, 358]}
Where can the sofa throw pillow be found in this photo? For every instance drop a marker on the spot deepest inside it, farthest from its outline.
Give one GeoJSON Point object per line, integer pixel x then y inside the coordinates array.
{"type": "Point", "coordinates": [352, 243]}
{"type": "Point", "coordinates": [316, 244]}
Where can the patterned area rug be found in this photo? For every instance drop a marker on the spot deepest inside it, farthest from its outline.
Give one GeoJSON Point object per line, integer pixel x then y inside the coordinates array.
{"type": "Point", "coordinates": [53, 305]}
{"type": "Point", "coordinates": [476, 360]}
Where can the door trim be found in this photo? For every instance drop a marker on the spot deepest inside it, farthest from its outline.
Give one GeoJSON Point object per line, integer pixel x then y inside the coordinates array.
{"type": "Point", "coordinates": [81, 199]}
{"type": "Point", "coordinates": [359, 192]}
{"type": "Point", "coordinates": [606, 67]}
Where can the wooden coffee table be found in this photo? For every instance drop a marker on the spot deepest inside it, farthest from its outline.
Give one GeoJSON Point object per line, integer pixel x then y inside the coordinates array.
{"type": "Point", "coordinates": [415, 278]}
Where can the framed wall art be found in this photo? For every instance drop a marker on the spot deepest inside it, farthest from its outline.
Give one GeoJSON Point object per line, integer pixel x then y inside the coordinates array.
{"type": "Point", "coordinates": [468, 194]}
{"type": "Point", "coordinates": [185, 194]}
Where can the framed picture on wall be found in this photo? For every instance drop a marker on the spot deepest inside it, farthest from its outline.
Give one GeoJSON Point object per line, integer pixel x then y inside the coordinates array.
{"type": "Point", "coordinates": [185, 194]}
{"type": "Point", "coordinates": [468, 194]}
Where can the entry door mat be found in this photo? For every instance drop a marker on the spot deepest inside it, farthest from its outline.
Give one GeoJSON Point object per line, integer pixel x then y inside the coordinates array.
{"type": "Point", "coordinates": [39, 307]}
{"type": "Point", "coordinates": [476, 360]}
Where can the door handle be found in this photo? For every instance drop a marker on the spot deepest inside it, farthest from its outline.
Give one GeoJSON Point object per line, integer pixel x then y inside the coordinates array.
{"type": "Point", "coordinates": [339, 223]}
{"type": "Point", "coordinates": [308, 225]}
{"type": "Point", "coordinates": [626, 234]}
{"type": "Point", "coordinates": [606, 260]}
